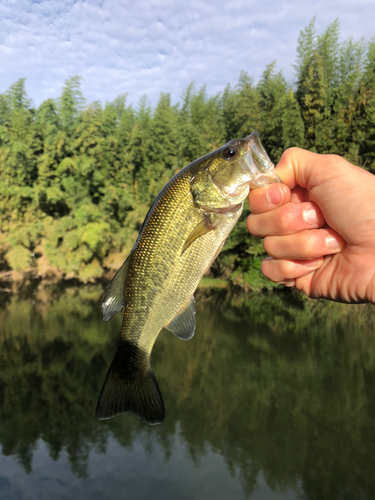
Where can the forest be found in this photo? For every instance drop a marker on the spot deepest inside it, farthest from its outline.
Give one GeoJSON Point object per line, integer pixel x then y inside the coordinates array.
{"type": "Point", "coordinates": [77, 178]}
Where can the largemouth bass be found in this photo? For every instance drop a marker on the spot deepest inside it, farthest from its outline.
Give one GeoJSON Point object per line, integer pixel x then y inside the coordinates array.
{"type": "Point", "coordinates": [181, 236]}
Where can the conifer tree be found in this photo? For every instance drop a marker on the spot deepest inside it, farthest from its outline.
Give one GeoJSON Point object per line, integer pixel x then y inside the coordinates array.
{"type": "Point", "coordinates": [17, 95]}
{"type": "Point", "coordinates": [5, 111]}
{"type": "Point", "coordinates": [306, 46]}
{"type": "Point", "coordinates": [189, 140]}
{"type": "Point", "coordinates": [327, 46]}
{"type": "Point", "coordinates": [200, 126]}
{"type": "Point", "coordinates": [163, 130]}
{"type": "Point", "coordinates": [137, 151]}
{"type": "Point", "coordinates": [293, 132]}
{"type": "Point", "coordinates": [272, 87]}
{"type": "Point", "coordinates": [312, 93]}
{"type": "Point", "coordinates": [364, 120]}
{"type": "Point", "coordinates": [71, 102]}
{"type": "Point", "coordinates": [244, 107]}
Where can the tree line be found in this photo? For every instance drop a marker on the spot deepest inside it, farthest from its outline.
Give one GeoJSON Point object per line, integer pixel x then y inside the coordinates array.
{"type": "Point", "coordinates": [77, 179]}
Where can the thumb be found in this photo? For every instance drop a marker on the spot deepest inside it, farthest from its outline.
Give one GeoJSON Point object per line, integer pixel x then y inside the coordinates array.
{"type": "Point", "coordinates": [298, 167]}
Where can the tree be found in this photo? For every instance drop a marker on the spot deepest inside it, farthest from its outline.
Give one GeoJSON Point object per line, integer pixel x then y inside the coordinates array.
{"type": "Point", "coordinates": [364, 120]}
{"type": "Point", "coordinates": [293, 131]}
{"type": "Point", "coordinates": [241, 109]}
{"type": "Point", "coordinates": [17, 96]}
{"type": "Point", "coordinates": [272, 87]}
{"type": "Point", "coordinates": [311, 94]}
{"type": "Point", "coordinates": [71, 102]}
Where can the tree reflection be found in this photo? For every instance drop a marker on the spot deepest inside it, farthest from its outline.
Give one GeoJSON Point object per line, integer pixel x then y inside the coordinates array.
{"type": "Point", "coordinates": [274, 383]}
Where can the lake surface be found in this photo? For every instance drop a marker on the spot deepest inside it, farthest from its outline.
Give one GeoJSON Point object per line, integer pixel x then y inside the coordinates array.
{"type": "Point", "coordinates": [273, 399]}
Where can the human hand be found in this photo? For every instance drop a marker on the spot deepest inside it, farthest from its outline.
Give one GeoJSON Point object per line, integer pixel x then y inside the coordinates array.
{"type": "Point", "coordinates": [318, 226]}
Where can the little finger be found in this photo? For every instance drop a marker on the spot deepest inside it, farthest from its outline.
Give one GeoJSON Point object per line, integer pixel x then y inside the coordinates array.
{"type": "Point", "coordinates": [286, 271]}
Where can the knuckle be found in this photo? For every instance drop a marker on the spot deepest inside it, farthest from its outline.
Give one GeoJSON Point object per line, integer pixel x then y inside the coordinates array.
{"type": "Point", "coordinates": [286, 268]}
{"type": "Point", "coordinates": [266, 269]}
{"type": "Point", "coordinates": [333, 161]}
{"type": "Point", "coordinates": [290, 153]}
{"type": "Point", "coordinates": [268, 244]}
{"type": "Point", "coordinates": [285, 219]}
{"type": "Point", "coordinates": [307, 245]}
{"type": "Point", "coordinates": [334, 158]}
{"type": "Point", "coordinates": [252, 226]}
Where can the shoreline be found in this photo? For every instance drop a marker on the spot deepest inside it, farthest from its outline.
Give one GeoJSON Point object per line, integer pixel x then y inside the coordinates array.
{"type": "Point", "coordinates": [11, 281]}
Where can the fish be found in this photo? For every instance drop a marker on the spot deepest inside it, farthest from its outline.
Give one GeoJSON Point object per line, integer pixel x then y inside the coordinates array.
{"type": "Point", "coordinates": [181, 236]}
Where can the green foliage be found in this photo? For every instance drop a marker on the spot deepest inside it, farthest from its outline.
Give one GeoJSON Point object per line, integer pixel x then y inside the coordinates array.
{"type": "Point", "coordinates": [292, 125]}
{"type": "Point", "coordinates": [76, 180]}
{"type": "Point", "coordinates": [272, 88]}
{"type": "Point", "coordinates": [71, 103]}
{"type": "Point", "coordinates": [241, 109]}
{"type": "Point", "coordinates": [18, 258]}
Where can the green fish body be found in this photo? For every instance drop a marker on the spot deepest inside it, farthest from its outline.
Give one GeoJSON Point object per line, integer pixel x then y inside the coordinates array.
{"type": "Point", "coordinates": [182, 234]}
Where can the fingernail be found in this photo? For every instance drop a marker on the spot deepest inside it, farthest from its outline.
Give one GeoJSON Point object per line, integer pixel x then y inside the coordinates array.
{"type": "Point", "coordinates": [310, 216]}
{"type": "Point", "coordinates": [332, 243]}
{"type": "Point", "coordinates": [275, 195]}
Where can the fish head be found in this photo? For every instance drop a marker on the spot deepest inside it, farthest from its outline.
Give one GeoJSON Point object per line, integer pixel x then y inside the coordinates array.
{"type": "Point", "coordinates": [227, 175]}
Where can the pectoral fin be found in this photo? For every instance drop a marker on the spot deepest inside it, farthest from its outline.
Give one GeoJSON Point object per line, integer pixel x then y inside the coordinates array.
{"type": "Point", "coordinates": [183, 325]}
{"type": "Point", "coordinates": [113, 299]}
{"type": "Point", "coordinates": [204, 227]}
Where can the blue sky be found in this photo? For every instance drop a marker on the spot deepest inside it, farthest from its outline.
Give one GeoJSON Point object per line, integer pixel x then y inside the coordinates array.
{"type": "Point", "coordinates": [152, 46]}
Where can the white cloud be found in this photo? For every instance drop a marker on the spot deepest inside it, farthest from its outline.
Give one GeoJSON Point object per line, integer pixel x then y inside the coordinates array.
{"type": "Point", "coordinates": [150, 46]}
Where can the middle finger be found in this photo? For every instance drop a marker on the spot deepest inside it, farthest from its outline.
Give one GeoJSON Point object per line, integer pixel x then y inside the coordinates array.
{"type": "Point", "coordinates": [286, 219]}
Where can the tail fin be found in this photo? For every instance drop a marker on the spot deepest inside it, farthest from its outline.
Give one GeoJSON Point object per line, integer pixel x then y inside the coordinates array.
{"type": "Point", "coordinates": [130, 388]}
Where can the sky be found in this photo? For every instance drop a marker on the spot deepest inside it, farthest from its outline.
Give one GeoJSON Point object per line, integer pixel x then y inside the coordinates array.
{"type": "Point", "coordinates": [151, 46]}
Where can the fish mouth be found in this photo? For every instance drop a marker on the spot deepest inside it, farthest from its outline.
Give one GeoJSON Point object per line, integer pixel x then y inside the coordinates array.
{"type": "Point", "coordinates": [262, 170]}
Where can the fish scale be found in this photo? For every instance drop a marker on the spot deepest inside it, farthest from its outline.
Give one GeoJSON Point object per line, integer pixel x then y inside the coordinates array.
{"type": "Point", "coordinates": [171, 277]}
{"type": "Point", "coordinates": [182, 234]}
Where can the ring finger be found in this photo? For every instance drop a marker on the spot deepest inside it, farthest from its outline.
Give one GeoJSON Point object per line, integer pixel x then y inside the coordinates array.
{"type": "Point", "coordinates": [306, 245]}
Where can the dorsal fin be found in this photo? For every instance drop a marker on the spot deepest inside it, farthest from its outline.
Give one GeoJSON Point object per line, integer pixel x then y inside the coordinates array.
{"type": "Point", "coordinates": [183, 325]}
{"type": "Point", "coordinates": [113, 299]}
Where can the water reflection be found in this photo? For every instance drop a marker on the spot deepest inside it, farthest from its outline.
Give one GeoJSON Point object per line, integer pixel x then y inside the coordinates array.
{"type": "Point", "coordinates": [274, 397]}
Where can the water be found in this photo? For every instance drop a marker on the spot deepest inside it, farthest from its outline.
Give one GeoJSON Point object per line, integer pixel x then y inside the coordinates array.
{"type": "Point", "coordinates": [273, 399]}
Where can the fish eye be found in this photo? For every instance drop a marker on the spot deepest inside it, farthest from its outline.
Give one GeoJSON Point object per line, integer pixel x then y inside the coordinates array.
{"type": "Point", "coordinates": [230, 153]}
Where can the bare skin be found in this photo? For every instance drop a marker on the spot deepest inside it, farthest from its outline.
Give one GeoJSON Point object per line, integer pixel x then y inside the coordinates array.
{"type": "Point", "coordinates": [318, 227]}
